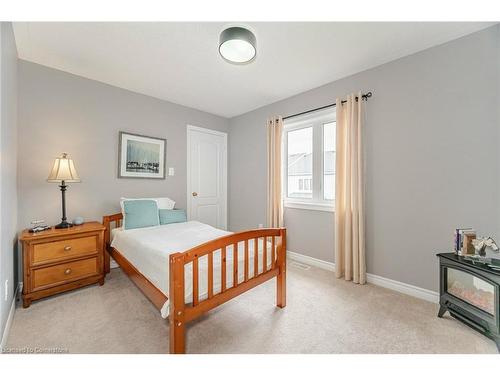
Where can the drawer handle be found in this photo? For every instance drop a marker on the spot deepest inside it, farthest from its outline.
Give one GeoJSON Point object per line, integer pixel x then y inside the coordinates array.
{"type": "Point", "coordinates": [67, 271]}
{"type": "Point", "coordinates": [67, 248]}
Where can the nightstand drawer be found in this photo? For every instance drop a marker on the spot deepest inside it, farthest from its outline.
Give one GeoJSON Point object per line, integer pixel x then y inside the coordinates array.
{"type": "Point", "coordinates": [65, 249]}
{"type": "Point", "coordinates": [64, 272]}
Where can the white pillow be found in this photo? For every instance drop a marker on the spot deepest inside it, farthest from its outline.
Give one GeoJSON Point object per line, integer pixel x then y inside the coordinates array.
{"type": "Point", "coordinates": [163, 203]}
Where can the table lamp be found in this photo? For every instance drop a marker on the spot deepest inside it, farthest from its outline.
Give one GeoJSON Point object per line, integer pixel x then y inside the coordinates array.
{"type": "Point", "coordinates": [63, 171]}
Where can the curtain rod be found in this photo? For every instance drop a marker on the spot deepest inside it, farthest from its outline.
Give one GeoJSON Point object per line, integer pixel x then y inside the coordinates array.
{"type": "Point", "coordinates": [364, 96]}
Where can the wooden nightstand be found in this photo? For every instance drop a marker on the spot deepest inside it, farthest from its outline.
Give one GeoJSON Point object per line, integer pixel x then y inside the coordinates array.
{"type": "Point", "coordinates": [57, 260]}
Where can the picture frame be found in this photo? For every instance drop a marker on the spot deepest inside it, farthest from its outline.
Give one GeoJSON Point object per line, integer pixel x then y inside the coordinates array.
{"type": "Point", "coordinates": [141, 156]}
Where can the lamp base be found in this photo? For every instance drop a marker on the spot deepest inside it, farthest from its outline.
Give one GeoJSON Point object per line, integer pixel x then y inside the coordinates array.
{"type": "Point", "coordinates": [63, 224]}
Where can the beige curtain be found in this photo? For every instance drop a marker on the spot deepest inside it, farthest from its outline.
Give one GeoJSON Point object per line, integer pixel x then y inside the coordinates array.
{"type": "Point", "coordinates": [274, 199]}
{"type": "Point", "coordinates": [349, 191]}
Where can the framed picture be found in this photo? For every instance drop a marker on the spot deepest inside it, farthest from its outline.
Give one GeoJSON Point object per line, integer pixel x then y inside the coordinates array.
{"type": "Point", "coordinates": [140, 156]}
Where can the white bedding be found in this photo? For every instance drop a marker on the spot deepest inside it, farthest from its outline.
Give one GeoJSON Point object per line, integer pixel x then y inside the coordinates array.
{"type": "Point", "coordinates": [148, 249]}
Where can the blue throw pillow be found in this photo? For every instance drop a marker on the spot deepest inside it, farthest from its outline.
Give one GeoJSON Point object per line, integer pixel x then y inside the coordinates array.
{"type": "Point", "coordinates": [172, 216]}
{"type": "Point", "coordinates": [140, 213]}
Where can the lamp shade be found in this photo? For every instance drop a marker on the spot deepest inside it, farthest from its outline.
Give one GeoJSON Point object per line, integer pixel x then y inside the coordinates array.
{"type": "Point", "coordinates": [63, 170]}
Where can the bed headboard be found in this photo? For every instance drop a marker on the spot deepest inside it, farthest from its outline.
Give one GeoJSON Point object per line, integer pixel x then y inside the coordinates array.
{"type": "Point", "coordinates": [111, 222]}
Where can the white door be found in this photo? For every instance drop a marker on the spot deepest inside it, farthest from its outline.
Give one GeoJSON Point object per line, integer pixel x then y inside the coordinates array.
{"type": "Point", "coordinates": [207, 176]}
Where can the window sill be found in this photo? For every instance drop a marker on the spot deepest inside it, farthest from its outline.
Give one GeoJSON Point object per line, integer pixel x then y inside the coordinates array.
{"type": "Point", "coordinates": [309, 206]}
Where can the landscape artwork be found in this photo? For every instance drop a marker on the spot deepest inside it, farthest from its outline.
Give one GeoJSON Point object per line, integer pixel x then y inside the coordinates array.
{"type": "Point", "coordinates": [141, 156]}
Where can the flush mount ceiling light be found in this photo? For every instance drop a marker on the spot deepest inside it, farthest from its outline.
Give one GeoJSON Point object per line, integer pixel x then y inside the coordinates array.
{"type": "Point", "coordinates": [237, 45]}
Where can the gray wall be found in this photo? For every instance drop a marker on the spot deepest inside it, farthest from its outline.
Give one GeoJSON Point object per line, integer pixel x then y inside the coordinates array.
{"type": "Point", "coordinates": [432, 158]}
{"type": "Point", "coordinates": [63, 112]}
{"type": "Point", "coordinates": [8, 168]}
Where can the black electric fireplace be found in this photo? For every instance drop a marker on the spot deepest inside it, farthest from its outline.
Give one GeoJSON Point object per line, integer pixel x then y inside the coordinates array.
{"type": "Point", "coordinates": [470, 292]}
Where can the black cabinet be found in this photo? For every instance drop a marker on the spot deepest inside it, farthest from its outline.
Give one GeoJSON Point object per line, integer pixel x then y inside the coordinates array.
{"type": "Point", "coordinates": [470, 291]}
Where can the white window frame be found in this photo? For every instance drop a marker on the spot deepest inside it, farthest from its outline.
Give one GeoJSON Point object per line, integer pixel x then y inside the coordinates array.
{"type": "Point", "coordinates": [316, 120]}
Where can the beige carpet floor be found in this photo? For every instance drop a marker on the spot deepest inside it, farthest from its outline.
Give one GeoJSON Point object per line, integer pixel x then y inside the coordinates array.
{"type": "Point", "coordinates": [323, 315]}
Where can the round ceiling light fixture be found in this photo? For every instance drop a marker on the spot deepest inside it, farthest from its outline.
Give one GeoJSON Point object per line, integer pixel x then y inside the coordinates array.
{"type": "Point", "coordinates": [237, 45]}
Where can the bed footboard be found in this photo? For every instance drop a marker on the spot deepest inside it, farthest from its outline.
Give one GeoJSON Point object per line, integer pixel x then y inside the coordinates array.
{"type": "Point", "coordinates": [182, 313]}
{"type": "Point", "coordinates": [257, 267]}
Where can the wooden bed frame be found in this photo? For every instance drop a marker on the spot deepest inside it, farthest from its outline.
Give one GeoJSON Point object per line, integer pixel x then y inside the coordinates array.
{"type": "Point", "coordinates": [182, 313]}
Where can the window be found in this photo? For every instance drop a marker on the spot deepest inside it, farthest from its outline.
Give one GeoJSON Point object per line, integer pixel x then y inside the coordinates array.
{"type": "Point", "coordinates": [329, 161]}
{"type": "Point", "coordinates": [309, 162]}
{"type": "Point", "coordinates": [304, 184]}
{"type": "Point", "coordinates": [300, 163]}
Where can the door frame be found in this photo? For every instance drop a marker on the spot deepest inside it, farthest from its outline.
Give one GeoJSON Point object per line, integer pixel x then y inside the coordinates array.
{"type": "Point", "coordinates": [189, 130]}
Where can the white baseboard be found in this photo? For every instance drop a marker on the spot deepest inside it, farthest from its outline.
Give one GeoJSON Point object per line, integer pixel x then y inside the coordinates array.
{"type": "Point", "coordinates": [329, 266]}
{"type": "Point", "coordinates": [398, 286]}
{"type": "Point", "coordinates": [10, 318]}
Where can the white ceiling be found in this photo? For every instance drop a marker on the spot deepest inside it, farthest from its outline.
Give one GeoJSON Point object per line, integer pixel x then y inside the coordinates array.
{"type": "Point", "coordinates": [179, 62]}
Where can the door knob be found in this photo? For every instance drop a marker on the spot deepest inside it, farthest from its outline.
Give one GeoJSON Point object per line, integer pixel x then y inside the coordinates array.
{"type": "Point", "coordinates": [194, 193]}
